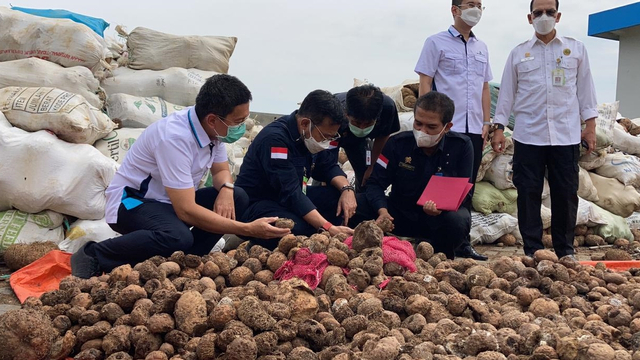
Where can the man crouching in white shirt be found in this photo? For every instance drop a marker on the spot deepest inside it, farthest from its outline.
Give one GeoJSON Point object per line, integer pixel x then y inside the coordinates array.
{"type": "Point", "coordinates": [152, 200]}
{"type": "Point", "coordinates": [547, 84]}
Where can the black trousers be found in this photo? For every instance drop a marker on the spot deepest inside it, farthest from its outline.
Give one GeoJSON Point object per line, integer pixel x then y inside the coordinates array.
{"type": "Point", "coordinates": [477, 141]}
{"type": "Point", "coordinates": [325, 198]}
{"type": "Point", "coordinates": [153, 228]}
{"type": "Point", "coordinates": [529, 165]}
{"type": "Point", "coordinates": [444, 232]}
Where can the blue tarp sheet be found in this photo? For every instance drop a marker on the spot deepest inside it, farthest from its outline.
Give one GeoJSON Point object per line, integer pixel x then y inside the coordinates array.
{"type": "Point", "coordinates": [95, 24]}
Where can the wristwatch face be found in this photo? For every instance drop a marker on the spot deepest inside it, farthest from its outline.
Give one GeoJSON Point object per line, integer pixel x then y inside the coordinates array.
{"type": "Point", "coordinates": [229, 185]}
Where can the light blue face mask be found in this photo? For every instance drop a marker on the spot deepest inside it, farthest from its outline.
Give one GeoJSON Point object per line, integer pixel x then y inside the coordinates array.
{"type": "Point", "coordinates": [361, 132]}
{"type": "Point", "coordinates": [234, 133]}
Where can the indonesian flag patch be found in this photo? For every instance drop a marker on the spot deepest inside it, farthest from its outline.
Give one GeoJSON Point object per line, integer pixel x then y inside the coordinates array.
{"type": "Point", "coordinates": [333, 145]}
{"type": "Point", "coordinates": [279, 153]}
{"type": "Point", "coordinates": [382, 161]}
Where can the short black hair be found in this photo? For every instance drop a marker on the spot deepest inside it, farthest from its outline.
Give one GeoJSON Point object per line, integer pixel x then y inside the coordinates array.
{"type": "Point", "coordinates": [456, 2]}
{"type": "Point", "coordinates": [321, 104]}
{"type": "Point", "coordinates": [364, 103]}
{"type": "Point", "coordinates": [438, 103]}
{"type": "Point", "coordinates": [220, 94]}
{"type": "Point", "coordinates": [531, 5]}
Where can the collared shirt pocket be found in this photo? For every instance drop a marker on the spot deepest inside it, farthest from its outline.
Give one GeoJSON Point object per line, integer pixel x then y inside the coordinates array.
{"type": "Point", "coordinates": [530, 75]}
{"type": "Point", "coordinates": [480, 62]}
{"type": "Point", "coordinates": [452, 64]}
{"type": "Point", "coordinates": [570, 66]}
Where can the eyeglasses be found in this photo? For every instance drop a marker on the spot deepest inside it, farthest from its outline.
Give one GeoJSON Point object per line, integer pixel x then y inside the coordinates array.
{"type": "Point", "coordinates": [327, 138]}
{"type": "Point", "coordinates": [234, 124]}
{"type": "Point", "coordinates": [549, 12]}
{"type": "Point", "coordinates": [472, 5]}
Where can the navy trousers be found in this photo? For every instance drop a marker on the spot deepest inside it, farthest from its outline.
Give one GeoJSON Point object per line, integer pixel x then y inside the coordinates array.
{"type": "Point", "coordinates": [325, 198]}
{"type": "Point", "coordinates": [153, 228]}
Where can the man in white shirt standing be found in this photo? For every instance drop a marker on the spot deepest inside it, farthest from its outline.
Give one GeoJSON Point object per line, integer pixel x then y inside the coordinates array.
{"type": "Point", "coordinates": [547, 84]}
{"type": "Point", "coordinates": [152, 200]}
{"type": "Point", "coordinates": [455, 62]}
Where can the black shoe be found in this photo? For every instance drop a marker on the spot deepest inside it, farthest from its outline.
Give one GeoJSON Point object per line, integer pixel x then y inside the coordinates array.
{"type": "Point", "coordinates": [83, 265]}
{"type": "Point", "coordinates": [471, 253]}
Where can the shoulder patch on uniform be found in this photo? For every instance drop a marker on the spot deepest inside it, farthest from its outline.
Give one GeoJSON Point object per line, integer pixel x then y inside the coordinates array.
{"type": "Point", "coordinates": [279, 153]}
{"type": "Point", "coordinates": [382, 161]}
{"type": "Point", "coordinates": [333, 145]}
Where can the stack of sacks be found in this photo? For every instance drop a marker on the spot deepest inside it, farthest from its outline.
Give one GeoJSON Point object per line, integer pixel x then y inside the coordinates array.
{"type": "Point", "coordinates": [50, 91]}
{"type": "Point", "coordinates": [170, 67]}
{"type": "Point", "coordinates": [44, 178]}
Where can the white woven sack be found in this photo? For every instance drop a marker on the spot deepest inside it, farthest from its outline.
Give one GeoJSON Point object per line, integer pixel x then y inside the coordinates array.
{"type": "Point", "coordinates": [61, 41]}
{"type": "Point", "coordinates": [155, 50]}
{"type": "Point", "coordinates": [41, 172]}
{"type": "Point", "coordinates": [67, 115]}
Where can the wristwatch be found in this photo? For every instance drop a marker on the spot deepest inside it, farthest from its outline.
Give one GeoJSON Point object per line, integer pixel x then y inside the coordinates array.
{"type": "Point", "coordinates": [229, 185]}
{"type": "Point", "coordinates": [325, 227]}
{"type": "Point", "coordinates": [498, 127]}
{"type": "Point", "coordinates": [347, 187]}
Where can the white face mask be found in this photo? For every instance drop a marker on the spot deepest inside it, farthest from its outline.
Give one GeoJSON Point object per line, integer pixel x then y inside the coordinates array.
{"type": "Point", "coordinates": [544, 24]}
{"type": "Point", "coordinates": [425, 140]}
{"type": "Point", "coordinates": [471, 16]}
{"type": "Point", "coordinates": [313, 145]}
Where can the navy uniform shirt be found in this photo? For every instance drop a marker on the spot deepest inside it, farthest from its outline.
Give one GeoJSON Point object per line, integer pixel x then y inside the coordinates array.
{"type": "Point", "coordinates": [386, 124]}
{"type": "Point", "coordinates": [276, 163]}
{"type": "Point", "coordinates": [408, 169]}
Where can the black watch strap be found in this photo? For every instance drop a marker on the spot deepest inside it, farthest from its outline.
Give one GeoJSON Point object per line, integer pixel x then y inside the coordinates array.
{"type": "Point", "coordinates": [347, 187]}
{"type": "Point", "coordinates": [498, 127]}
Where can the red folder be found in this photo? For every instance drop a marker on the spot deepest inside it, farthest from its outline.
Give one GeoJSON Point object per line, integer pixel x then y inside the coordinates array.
{"type": "Point", "coordinates": [447, 193]}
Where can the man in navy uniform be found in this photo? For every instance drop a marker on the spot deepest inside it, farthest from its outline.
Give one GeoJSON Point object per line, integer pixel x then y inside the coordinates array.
{"type": "Point", "coordinates": [371, 117]}
{"type": "Point", "coordinates": [407, 163]}
{"type": "Point", "coordinates": [277, 167]}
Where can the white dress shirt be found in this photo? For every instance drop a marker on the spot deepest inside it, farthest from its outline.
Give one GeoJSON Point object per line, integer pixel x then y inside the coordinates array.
{"type": "Point", "coordinates": [174, 152]}
{"type": "Point", "coordinates": [546, 114]}
{"type": "Point", "coordinates": [459, 70]}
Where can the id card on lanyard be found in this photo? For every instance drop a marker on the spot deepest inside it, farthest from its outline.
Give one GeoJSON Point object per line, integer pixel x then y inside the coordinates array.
{"type": "Point", "coordinates": [368, 152]}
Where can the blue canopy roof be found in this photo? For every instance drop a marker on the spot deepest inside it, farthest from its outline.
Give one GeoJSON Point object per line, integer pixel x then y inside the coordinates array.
{"type": "Point", "coordinates": [607, 24]}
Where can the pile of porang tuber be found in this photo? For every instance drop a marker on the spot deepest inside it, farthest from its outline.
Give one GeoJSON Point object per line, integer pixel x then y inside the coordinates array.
{"type": "Point", "coordinates": [227, 306]}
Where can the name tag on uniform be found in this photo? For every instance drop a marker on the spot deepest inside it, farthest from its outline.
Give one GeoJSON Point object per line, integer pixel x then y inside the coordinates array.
{"type": "Point", "coordinates": [557, 77]}
{"type": "Point", "coordinates": [528, 58]}
{"type": "Point", "coordinates": [305, 180]}
{"type": "Point", "coordinates": [368, 157]}
{"type": "Point", "coordinates": [407, 166]}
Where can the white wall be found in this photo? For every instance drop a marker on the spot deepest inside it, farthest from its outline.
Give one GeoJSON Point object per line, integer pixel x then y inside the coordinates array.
{"type": "Point", "coordinates": [628, 91]}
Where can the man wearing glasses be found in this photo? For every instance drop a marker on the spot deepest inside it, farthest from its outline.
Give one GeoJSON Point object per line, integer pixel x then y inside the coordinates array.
{"type": "Point", "coordinates": [547, 84]}
{"type": "Point", "coordinates": [455, 62]}
{"type": "Point", "coordinates": [288, 152]}
{"type": "Point", "coordinates": [152, 199]}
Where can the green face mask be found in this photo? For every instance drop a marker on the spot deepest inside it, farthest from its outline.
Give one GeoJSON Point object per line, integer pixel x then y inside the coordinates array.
{"type": "Point", "coordinates": [234, 133]}
{"type": "Point", "coordinates": [361, 132]}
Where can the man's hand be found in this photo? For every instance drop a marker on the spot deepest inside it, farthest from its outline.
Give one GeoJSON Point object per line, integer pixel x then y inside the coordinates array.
{"type": "Point", "coordinates": [262, 228]}
{"type": "Point", "coordinates": [485, 135]}
{"type": "Point", "coordinates": [430, 209]}
{"type": "Point", "coordinates": [335, 230]}
{"type": "Point", "coordinates": [498, 141]}
{"type": "Point", "coordinates": [384, 215]}
{"type": "Point", "coordinates": [367, 175]}
{"type": "Point", "coordinates": [347, 205]}
{"type": "Point", "coordinates": [589, 136]}
{"type": "Point", "coordinates": [224, 205]}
